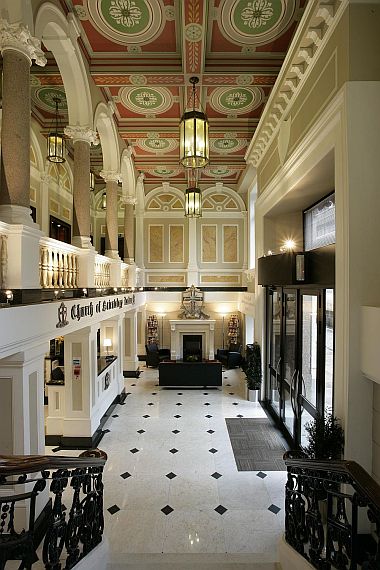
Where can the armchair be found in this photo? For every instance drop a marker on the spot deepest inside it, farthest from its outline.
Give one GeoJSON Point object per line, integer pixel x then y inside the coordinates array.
{"type": "Point", "coordinates": [155, 355]}
{"type": "Point", "coordinates": [231, 357]}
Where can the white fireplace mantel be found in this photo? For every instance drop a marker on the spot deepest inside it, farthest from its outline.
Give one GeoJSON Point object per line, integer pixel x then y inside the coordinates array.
{"type": "Point", "coordinates": [181, 327]}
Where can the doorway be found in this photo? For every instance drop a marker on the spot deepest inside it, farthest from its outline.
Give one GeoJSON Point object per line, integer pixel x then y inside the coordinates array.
{"type": "Point", "coordinates": [300, 349]}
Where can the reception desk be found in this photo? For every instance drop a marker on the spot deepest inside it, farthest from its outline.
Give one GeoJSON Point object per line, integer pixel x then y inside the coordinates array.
{"type": "Point", "coordinates": [182, 374]}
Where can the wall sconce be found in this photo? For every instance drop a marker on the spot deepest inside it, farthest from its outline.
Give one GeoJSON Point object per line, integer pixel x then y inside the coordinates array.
{"type": "Point", "coordinates": [107, 342]}
{"type": "Point", "coordinates": [104, 201]}
{"type": "Point", "coordinates": [9, 295]}
{"type": "Point", "coordinates": [289, 245]}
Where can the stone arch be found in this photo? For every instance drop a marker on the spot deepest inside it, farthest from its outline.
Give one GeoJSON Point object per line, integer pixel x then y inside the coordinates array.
{"type": "Point", "coordinates": [35, 144]}
{"type": "Point", "coordinates": [156, 195]}
{"type": "Point", "coordinates": [59, 35]}
{"type": "Point", "coordinates": [109, 140]}
{"type": "Point", "coordinates": [224, 191]}
{"type": "Point", "coordinates": [128, 175]}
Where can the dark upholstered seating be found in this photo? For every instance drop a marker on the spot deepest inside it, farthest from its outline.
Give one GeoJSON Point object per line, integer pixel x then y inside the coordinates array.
{"type": "Point", "coordinates": [230, 357]}
{"type": "Point", "coordinates": [155, 355]}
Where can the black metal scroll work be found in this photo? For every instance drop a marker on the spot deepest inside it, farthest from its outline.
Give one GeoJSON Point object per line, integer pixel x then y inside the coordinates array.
{"type": "Point", "coordinates": [323, 502]}
{"type": "Point", "coordinates": [66, 533]}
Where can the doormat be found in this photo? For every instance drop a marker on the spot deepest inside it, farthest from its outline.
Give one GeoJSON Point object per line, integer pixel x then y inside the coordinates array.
{"type": "Point", "coordinates": [257, 444]}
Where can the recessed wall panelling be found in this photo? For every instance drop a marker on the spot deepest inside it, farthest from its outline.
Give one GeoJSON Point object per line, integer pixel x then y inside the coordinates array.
{"type": "Point", "coordinates": [33, 194]}
{"type": "Point", "coordinates": [54, 206]}
{"type": "Point", "coordinates": [166, 279]}
{"type": "Point", "coordinates": [156, 243]}
{"type": "Point", "coordinates": [209, 244]}
{"type": "Point", "coordinates": [66, 213]}
{"type": "Point", "coordinates": [176, 245]}
{"type": "Point", "coordinates": [230, 244]}
{"type": "Point", "coordinates": [231, 279]}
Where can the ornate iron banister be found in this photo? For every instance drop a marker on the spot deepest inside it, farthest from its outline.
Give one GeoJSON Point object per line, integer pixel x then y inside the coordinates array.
{"type": "Point", "coordinates": [324, 501]}
{"type": "Point", "coordinates": [67, 531]}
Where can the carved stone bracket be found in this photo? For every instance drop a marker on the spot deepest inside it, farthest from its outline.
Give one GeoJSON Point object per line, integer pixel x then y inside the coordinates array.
{"type": "Point", "coordinates": [19, 38]}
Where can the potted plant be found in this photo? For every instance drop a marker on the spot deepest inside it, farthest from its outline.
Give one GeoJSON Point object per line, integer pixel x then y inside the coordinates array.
{"type": "Point", "coordinates": [253, 372]}
{"type": "Point", "coordinates": [325, 437]}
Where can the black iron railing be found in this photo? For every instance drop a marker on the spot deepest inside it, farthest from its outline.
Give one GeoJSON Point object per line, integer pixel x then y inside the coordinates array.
{"type": "Point", "coordinates": [71, 523]}
{"type": "Point", "coordinates": [332, 513]}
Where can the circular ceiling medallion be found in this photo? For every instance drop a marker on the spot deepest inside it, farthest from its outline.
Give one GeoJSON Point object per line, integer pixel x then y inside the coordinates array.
{"type": "Point", "coordinates": [256, 21]}
{"type": "Point", "coordinates": [226, 145]}
{"type": "Point", "coordinates": [221, 171]}
{"type": "Point", "coordinates": [44, 98]}
{"type": "Point", "coordinates": [128, 21]}
{"type": "Point", "coordinates": [159, 146]}
{"type": "Point", "coordinates": [163, 171]}
{"type": "Point", "coordinates": [236, 100]}
{"type": "Point", "coordinates": [146, 100]}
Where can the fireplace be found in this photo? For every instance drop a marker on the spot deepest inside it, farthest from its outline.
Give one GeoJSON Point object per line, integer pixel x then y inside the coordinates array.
{"type": "Point", "coordinates": [192, 327]}
{"type": "Point", "coordinates": [192, 348]}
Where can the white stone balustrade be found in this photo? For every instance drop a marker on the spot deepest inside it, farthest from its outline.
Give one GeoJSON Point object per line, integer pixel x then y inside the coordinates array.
{"type": "Point", "coordinates": [59, 264]}
{"type": "Point", "coordinates": [102, 273]}
{"type": "Point", "coordinates": [124, 275]}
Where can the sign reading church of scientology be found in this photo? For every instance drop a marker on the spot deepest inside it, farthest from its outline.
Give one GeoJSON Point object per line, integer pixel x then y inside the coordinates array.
{"type": "Point", "coordinates": [81, 310]}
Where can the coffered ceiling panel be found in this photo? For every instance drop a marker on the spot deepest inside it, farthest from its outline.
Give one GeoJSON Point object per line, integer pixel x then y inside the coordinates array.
{"type": "Point", "coordinates": [141, 54]}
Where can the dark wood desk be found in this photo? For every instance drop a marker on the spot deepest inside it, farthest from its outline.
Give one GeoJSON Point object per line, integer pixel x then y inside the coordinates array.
{"type": "Point", "coordinates": [182, 374]}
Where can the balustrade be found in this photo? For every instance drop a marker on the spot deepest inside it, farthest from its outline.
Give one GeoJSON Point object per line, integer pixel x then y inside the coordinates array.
{"type": "Point", "coordinates": [58, 265]}
{"type": "Point", "coordinates": [124, 275]}
{"type": "Point", "coordinates": [324, 501]}
{"type": "Point", "coordinates": [71, 524]}
{"type": "Point", "coordinates": [102, 273]}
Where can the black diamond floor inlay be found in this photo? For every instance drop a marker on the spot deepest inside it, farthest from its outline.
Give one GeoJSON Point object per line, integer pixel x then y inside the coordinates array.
{"type": "Point", "coordinates": [208, 416]}
{"type": "Point", "coordinates": [213, 450]}
{"type": "Point", "coordinates": [170, 475]}
{"type": "Point", "coordinates": [216, 475]}
{"type": "Point", "coordinates": [133, 384]}
{"type": "Point", "coordinates": [150, 404]}
{"type": "Point", "coordinates": [178, 404]}
{"type": "Point", "coordinates": [173, 450]}
{"type": "Point", "coordinates": [231, 393]}
{"type": "Point", "coordinates": [141, 431]}
{"type": "Point", "coordinates": [154, 393]}
{"type": "Point", "coordinates": [227, 384]}
{"type": "Point", "coordinates": [167, 510]}
{"type": "Point", "coordinates": [235, 403]}
{"type": "Point", "coordinates": [114, 509]}
{"type": "Point", "coordinates": [210, 431]}
{"type": "Point", "coordinates": [261, 475]}
{"type": "Point", "coordinates": [127, 394]}
{"type": "Point", "coordinates": [106, 431]}
{"type": "Point", "coordinates": [125, 475]}
{"type": "Point", "coordinates": [205, 393]}
{"type": "Point", "coordinates": [146, 416]}
{"type": "Point", "coordinates": [115, 416]}
{"type": "Point", "coordinates": [180, 394]}
{"type": "Point", "coordinates": [220, 509]}
{"type": "Point", "coordinates": [239, 416]}
{"type": "Point", "coordinates": [134, 450]}
{"type": "Point", "coordinates": [274, 509]}
{"type": "Point", "coordinates": [207, 404]}
{"type": "Point", "coordinates": [177, 416]}
{"type": "Point", "coordinates": [176, 431]}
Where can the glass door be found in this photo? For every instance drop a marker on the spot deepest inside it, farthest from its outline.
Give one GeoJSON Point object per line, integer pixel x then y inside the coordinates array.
{"type": "Point", "coordinates": [274, 348]}
{"type": "Point", "coordinates": [289, 370]}
{"type": "Point", "coordinates": [309, 375]}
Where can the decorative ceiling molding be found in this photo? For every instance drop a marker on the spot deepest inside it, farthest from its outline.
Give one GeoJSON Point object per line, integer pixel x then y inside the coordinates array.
{"type": "Point", "coordinates": [320, 19]}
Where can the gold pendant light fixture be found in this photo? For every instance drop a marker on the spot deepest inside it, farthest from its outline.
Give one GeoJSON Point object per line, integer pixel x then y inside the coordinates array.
{"type": "Point", "coordinates": [193, 196]}
{"type": "Point", "coordinates": [193, 134]}
{"type": "Point", "coordinates": [56, 142]}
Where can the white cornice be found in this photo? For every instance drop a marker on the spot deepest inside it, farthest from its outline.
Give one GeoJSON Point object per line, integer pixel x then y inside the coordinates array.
{"type": "Point", "coordinates": [318, 22]}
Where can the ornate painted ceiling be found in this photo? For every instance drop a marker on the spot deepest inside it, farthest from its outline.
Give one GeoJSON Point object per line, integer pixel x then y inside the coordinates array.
{"type": "Point", "coordinates": [141, 54]}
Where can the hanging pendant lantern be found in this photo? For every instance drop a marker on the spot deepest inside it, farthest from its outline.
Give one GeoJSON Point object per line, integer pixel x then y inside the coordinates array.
{"type": "Point", "coordinates": [104, 201]}
{"type": "Point", "coordinates": [92, 181]}
{"type": "Point", "coordinates": [193, 135]}
{"type": "Point", "coordinates": [56, 142]}
{"type": "Point", "coordinates": [193, 202]}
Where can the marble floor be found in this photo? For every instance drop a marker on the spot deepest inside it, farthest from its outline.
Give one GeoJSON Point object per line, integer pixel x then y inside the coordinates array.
{"type": "Point", "coordinates": [171, 483]}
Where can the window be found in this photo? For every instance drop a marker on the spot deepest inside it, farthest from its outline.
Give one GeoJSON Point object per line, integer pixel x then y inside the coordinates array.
{"type": "Point", "coordinates": [319, 224]}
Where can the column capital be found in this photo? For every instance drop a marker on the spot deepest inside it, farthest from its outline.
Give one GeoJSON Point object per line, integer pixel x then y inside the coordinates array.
{"type": "Point", "coordinates": [79, 133]}
{"type": "Point", "coordinates": [18, 37]}
{"type": "Point", "coordinates": [131, 200]}
{"type": "Point", "coordinates": [110, 175]}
